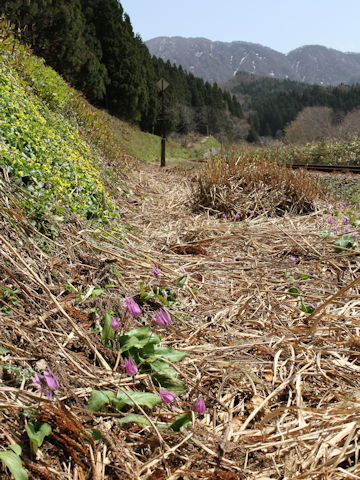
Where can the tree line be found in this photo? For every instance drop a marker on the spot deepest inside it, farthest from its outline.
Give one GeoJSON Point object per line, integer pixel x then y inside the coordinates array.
{"type": "Point", "coordinates": [272, 104]}
{"type": "Point", "coordinates": [91, 43]}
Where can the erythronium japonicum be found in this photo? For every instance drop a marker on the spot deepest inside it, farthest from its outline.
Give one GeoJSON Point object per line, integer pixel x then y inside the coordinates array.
{"type": "Point", "coordinates": [132, 307]}
{"type": "Point", "coordinates": [162, 317]}
{"type": "Point", "coordinates": [182, 269]}
{"type": "Point", "coordinates": [166, 397]}
{"type": "Point", "coordinates": [114, 322]}
{"type": "Point", "coordinates": [130, 367]}
{"type": "Point", "coordinates": [199, 406]}
{"type": "Point", "coordinates": [47, 382]}
{"type": "Point", "coordinates": [156, 271]}
{"type": "Point", "coordinates": [293, 260]}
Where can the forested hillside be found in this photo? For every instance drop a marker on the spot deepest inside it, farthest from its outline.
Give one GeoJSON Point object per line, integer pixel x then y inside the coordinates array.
{"type": "Point", "coordinates": [91, 43]}
{"type": "Point", "coordinates": [272, 103]}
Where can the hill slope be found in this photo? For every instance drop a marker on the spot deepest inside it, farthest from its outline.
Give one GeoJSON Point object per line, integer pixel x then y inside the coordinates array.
{"type": "Point", "coordinates": [219, 61]}
{"type": "Point", "coordinates": [94, 388]}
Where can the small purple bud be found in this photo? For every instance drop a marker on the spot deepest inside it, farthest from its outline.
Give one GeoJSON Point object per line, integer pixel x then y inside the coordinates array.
{"type": "Point", "coordinates": [343, 204]}
{"type": "Point", "coordinates": [166, 397]}
{"type": "Point", "coordinates": [345, 220]}
{"type": "Point", "coordinates": [224, 216]}
{"type": "Point", "coordinates": [347, 229]}
{"type": "Point", "coordinates": [337, 229]}
{"type": "Point", "coordinates": [251, 212]}
{"type": "Point", "coordinates": [330, 220]}
{"type": "Point", "coordinates": [130, 367]}
{"type": "Point", "coordinates": [37, 380]}
{"type": "Point", "coordinates": [199, 406]}
{"type": "Point", "coordinates": [354, 235]}
{"type": "Point", "coordinates": [51, 380]}
{"type": "Point", "coordinates": [237, 216]}
{"type": "Point", "coordinates": [162, 317]}
{"type": "Point", "coordinates": [114, 322]}
{"type": "Point", "coordinates": [293, 260]}
{"type": "Point", "coordinates": [132, 307]}
{"type": "Point", "coordinates": [156, 271]}
{"type": "Point", "coordinates": [182, 269]}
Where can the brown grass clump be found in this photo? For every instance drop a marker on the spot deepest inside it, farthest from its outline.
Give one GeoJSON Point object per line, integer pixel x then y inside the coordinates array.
{"type": "Point", "coordinates": [243, 185]}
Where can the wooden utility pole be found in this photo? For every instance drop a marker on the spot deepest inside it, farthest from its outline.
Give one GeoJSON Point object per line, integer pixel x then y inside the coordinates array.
{"type": "Point", "coordinates": [162, 85]}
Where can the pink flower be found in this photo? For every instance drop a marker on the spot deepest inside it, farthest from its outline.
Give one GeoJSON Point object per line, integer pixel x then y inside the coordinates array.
{"type": "Point", "coordinates": [346, 220]}
{"type": "Point", "coordinates": [343, 204]}
{"type": "Point", "coordinates": [293, 260]}
{"type": "Point", "coordinates": [199, 406]}
{"type": "Point", "coordinates": [237, 216]}
{"type": "Point", "coordinates": [130, 367]}
{"type": "Point", "coordinates": [353, 235]}
{"type": "Point", "coordinates": [47, 382]}
{"type": "Point", "coordinates": [156, 271]}
{"type": "Point", "coordinates": [330, 220]}
{"type": "Point", "coordinates": [347, 229]}
{"type": "Point", "coordinates": [182, 269]}
{"type": "Point", "coordinates": [224, 216]}
{"type": "Point", "coordinates": [251, 212]}
{"type": "Point", "coordinates": [132, 307]}
{"type": "Point", "coordinates": [166, 397]}
{"type": "Point", "coordinates": [162, 317]}
{"type": "Point", "coordinates": [114, 322]}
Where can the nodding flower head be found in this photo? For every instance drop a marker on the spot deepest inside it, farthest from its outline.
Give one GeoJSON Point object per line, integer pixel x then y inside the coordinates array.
{"type": "Point", "coordinates": [166, 397]}
{"type": "Point", "coordinates": [156, 271]}
{"type": "Point", "coordinates": [132, 307]}
{"type": "Point", "coordinates": [182, 269]}
{"type": "Point", "coordinates": [293, 260]}
{"type": "Point", "coordinates": [130, 367]}
{"type": "Point", "coordinates": [47, 382]}
{"type": "Point", "coordinates": [237, 216]}
{"type": "Point", "coordinates": [162, 317]}
{"type": "Point", "coordinates": [199, 406]}
{"type": "Point", "coordinates": [114, 322]}
{"type": "Point", "coordinates": [330, 220]}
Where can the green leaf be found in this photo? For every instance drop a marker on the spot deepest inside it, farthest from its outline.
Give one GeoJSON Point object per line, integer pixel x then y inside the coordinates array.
{"type": "Point", "coordinates": [303, 276]}
{"type": "Point", "coordinates": [95, 434]}
{"type": "Point", "coordinates": [170, 383]}
{"type": "Point", "coordinates": [13, 463]}
{"type": "Point", "coordinates": [96, 292]}
{"type": "Point", "coordinates": [294, 291]}
{"type": "Point", "coordinates": [181, 422]}
{"type": "Point", "coordinates": [306, 308]}
{"type": "Point", "coordinates": [181, 281]}
{"type": "Point", "coordinates": [138, 338]}
{"type": "Point", "coordinates": [144, 399]}
{"type": "Point", "coordinates": [16, 448]}
{"type": "Point", "coordinates": [134, 418]}
{"type": "Point", "coordinates": [107, 332]}
{"type": "Point", "coordinates": [98, 399]}
{"type": "Point", "coordinates": [169, 353]}
{"type": "Point", "coordinates": [345, 241]}
{"type": "Point", "coordinates": [3, 350]}
{"type": "Point", "coordinates": [37, 437]}
{"type": "Point", "coordinates": [162, 367]}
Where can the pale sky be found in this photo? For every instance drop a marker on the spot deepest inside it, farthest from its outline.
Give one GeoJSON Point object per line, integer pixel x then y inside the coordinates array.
{"type": "Point", "coordinates": [279, 24]}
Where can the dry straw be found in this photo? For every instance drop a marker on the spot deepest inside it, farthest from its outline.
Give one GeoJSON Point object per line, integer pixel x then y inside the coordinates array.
{"type": "Point", "coordinates": [281, 388]}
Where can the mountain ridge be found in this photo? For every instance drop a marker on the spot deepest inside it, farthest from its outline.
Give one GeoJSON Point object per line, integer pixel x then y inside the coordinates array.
{"type": "Point", "coordinates": [217, 61]}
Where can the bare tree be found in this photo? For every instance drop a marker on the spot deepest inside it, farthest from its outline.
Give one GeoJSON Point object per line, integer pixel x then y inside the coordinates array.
{"type": "Point", "coordinates": [311, 124]}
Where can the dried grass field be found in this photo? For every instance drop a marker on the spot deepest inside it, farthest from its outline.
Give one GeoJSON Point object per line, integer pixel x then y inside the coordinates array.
{"type": "Point", "coordinates": [267, 314]}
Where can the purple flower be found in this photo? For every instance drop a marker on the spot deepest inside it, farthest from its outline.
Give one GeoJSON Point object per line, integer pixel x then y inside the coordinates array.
{"type": "Point", "coordinates": [162, 317]}
{"type": "Point", "coordinates": [166, 397]}
{"type": "Point", "coordinates": [132, 307]}
{"type": "Point", "coordinates": [251, 212]}
{"type": "Point", "coordinates": [182, 269]}
{"type": "Point", "coordinates": [130, 367]}
{"type": "Point", "coordinates": [293, 260]}
{"type": "Point", "coordinates": [199, 406]}
{"type": "Point", "coordinates": [347, 229]}
{"type": "Point", "coordinates": [237, 216]}
{"type": "Point", "coordinates": [337, 229]}
{"type": "Point", "coordinates": [47, 382]}
{"type": "Point", "coordinates": [114, 322]}
{"type": "Point", "coordinates": [156, 271]}
{"type": "Point", "coordinates": [346, 220]}
{"type": "Point", "coordinates": [330, 220]}
{"type": "Point", "coordinates": [343, 204]}
{"type": "Point", "coordinates": [224, 216]}
{"type": "Point", "coordinates": [354, 235]}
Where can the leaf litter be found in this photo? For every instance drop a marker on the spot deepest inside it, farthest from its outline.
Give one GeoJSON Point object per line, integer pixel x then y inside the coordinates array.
{"type": "Point", "coordinates": [281, 386]}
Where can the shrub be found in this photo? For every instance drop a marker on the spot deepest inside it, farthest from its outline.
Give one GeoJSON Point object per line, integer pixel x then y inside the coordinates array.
{"type": "Point", "coordinates": [245, 185]}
